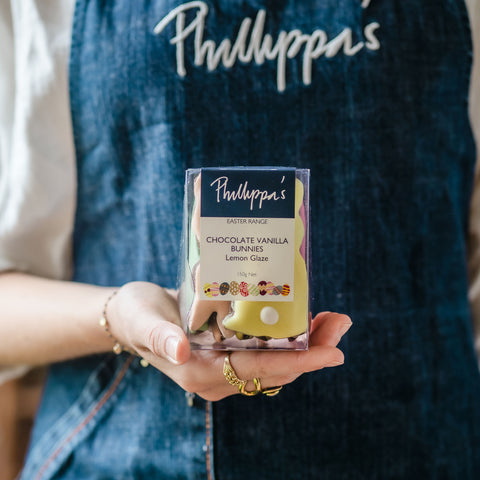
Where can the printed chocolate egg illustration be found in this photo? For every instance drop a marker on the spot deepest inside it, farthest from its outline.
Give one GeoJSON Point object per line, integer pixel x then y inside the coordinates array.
{"type": "Point", "coordinates": [262, 286]}
{"type": "Point", "coordinates": [277, 290]}
{"type": "Point", "coordinates": [224, 287]}
{"type": "Point", "coordinates": [253, 289]}
{"type": "Point", "coordinates": [270, 287]}
{"type": "Point", "coordinates": [243, 289]}
{"type": "Point", "coordinates": [286, 290]}
{"type": "Point", "coordinates": [278, 319]}
{"type": "Point", "coordinates": [216, 290]}
{"type": "Point", "coordinates": [234, 288]}
{"type": "Point", "coordinates": [207, 290]}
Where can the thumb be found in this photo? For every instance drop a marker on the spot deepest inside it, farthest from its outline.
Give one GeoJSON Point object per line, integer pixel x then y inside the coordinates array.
{"type": "Point", "coordinates": [167, 340]}
{"type": "Point", "coordinates": [147, 317]}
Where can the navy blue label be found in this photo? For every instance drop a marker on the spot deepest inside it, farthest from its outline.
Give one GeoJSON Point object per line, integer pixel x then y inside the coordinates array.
{"type": "Point", "coordinates": [247, 192]}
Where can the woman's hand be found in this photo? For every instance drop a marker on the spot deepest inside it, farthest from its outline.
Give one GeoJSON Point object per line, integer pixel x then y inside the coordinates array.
{"type": "Point", "coordinates": [145, 317]}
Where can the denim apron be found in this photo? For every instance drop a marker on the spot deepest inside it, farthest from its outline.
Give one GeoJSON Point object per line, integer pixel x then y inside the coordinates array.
{"type": "Point", "coordinates": [372, 97]}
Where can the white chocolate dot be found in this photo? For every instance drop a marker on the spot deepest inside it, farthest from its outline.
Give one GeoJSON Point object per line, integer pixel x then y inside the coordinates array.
{"type": "Point", "coordinates": [269, 316]}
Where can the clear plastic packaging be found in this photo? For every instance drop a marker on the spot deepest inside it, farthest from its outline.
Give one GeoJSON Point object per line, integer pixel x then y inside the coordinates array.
{"type": "Point", "coordinates": [244, 279]}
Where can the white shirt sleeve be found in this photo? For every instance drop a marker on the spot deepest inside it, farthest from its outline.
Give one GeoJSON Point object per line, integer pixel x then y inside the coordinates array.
{"type": "Point", "coordinates": [37, 160]}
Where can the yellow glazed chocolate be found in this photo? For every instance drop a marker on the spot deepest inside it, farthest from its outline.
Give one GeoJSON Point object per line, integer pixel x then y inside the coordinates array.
{"type": "Point", "coordinates": [277, 319]}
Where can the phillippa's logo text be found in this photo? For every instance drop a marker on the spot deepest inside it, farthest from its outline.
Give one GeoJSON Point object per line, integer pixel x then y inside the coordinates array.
{"type": "Point", "coordinates": [255, 196]}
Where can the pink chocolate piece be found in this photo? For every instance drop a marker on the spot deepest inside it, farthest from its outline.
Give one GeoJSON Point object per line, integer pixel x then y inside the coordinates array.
{"type": "Point", "coordinates": [202, 309]}
{"type": "Point", "coordinates": [226, 332]}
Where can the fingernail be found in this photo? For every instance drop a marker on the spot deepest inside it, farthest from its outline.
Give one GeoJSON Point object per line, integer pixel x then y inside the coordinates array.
{"type": "Point", "coordinates": [171, 346]}
{"type": "Point", "coordinates": [343, 329]}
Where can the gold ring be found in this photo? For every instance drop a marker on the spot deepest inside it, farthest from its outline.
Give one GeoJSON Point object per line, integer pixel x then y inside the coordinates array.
{"type": "Point", "coordinates": [251, 393]}
{"type": "Point", "coordinates": [272, 391]}
{"type": "Point", "coordinates": [232, 379]}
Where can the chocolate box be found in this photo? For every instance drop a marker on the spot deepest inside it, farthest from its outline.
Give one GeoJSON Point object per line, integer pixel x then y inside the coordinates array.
{"type": "Point", "coordinates": [244, 279]}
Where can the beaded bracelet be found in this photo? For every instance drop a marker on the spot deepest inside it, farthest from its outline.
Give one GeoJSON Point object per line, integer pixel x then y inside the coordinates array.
{"type": "Point", "coordinates": [118, 348]}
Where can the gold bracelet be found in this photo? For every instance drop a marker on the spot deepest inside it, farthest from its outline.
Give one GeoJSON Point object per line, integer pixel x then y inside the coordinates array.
{"type": "Point", "coordinates": [118, 348]}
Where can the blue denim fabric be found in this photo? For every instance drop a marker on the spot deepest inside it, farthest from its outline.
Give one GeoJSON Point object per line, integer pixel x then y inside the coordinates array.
{"type": "Point", "coordinates": [385, 133]}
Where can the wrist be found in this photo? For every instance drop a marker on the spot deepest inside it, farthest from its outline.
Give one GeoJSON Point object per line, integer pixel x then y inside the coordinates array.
{"type": "Point", "coordinates": [117, 346]}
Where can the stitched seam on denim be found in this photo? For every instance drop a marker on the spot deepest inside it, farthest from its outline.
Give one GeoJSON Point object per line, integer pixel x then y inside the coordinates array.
{"type": "Point", "coordinates": [208, 456]}
{"type": "Point", "coordinates": [89, 417]}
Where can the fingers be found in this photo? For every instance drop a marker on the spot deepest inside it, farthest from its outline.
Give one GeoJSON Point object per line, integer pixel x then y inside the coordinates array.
{"type": "Point", "coordinates": [165, 340]}
{"type": "Point", "coordinates": [280, 368]}
{"type": "Point", "coordinates": [273, 369]}
{"type": "Point", "coordinates": [328, 328]}
{"type": "Point", "coordinates": [147, 318]}
{"type": "Point", "coordinates": [256, 386]}
{"type": "Point", "coordinates": [203, 374]}
{"type": "Point", "coordinates": [267, 364]}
